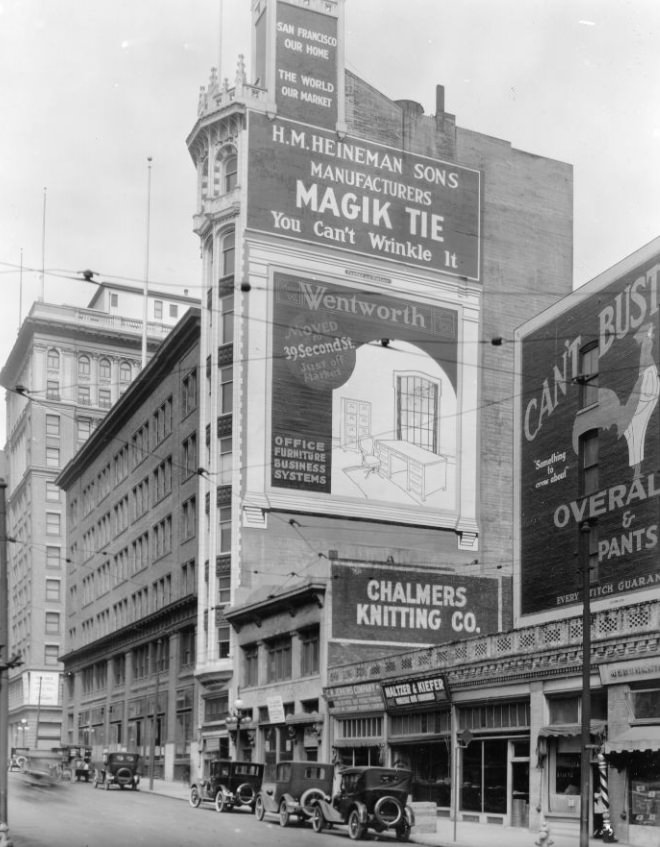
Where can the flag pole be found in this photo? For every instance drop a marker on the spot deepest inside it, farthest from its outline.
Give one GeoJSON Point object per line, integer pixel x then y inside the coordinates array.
{"type": "Point", "coordinates": [145, 305]}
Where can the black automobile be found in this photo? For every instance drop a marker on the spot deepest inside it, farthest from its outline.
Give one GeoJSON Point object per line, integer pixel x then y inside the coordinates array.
{"type": "Point", "coordinates": [230, 784]}
{"type": "Point", "coordinates": [121, 769]}
{"type": "Point", "coordinates": [296, 787]}
{"type": "Point", "coordinates": [368, 798]}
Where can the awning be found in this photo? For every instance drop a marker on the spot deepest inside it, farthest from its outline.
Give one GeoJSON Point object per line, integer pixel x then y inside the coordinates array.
{"type": "Point", "coordinates": [635, 738]}
{"type": "Point", "coordinates": [564, 730]}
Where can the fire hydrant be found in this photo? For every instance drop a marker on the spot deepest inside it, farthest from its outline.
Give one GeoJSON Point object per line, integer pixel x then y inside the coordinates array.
{"type": "Point", "coordinates": [544, 839]}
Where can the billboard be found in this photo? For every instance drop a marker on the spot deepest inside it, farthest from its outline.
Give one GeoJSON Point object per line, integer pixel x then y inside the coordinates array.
{"type": "Point", "coordinates": [364, 402]}
{"type": "Point", "coordinates": [306, 183]}
{"type": "Point", "coordinates": [306, 65]}
{"type": "Point", "coordinates": [380, 603]}
{"type": "Point", "coordinates": [590, 376]}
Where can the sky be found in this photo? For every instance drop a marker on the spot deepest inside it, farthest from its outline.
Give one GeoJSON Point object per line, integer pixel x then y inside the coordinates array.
{"type": "Point", "coordinates": [90, 89]}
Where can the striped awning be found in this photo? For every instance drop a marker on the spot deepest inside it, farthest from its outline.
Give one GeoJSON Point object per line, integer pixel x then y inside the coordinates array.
{"type": "Point", "coordinates": [563, 730]}
{"type": "Point", "coordinates": [636, 738]}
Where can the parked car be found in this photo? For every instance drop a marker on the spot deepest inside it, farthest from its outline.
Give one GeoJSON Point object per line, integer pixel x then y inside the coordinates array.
{"type": "Point", "coordinates": [120, 769]}
{"type": "Point", "coordinates": [368, 798]}
{"type": "Point", "coordinates": [230, 784]}
{"type": "Point", "coordinates": [80, 763]}
{"type": "Point", "coordinates": [293, 791]}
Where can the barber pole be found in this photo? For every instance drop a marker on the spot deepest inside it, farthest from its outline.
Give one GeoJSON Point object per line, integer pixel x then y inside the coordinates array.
{"type": "Point", "coordinates": [608, 832]}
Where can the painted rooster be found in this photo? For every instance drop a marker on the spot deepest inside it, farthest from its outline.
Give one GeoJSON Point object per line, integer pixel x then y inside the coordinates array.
{"type": "Point", "coordinates": [632, 417]}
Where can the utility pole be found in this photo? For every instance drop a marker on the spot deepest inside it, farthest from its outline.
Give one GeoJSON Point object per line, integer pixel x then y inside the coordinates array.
{"type": "Point", "coordinates": [154, 721]}
{"type": "Point", "coordinates": [585, 736]}
{"type": "Point", "coordinates": [4, 668]}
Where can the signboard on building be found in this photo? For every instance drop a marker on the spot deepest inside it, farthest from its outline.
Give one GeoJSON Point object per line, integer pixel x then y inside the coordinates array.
{"type": "Point", "coordinates": [275, 709]}
{"type": "Point", "coordinates": [364, 395]}
{"type": "Point", "coordinates": [379, 603]}
{"type": "Point", "coordinates": [407, 694]}
{"type": "Point", "coordinates": [351, 194]}
{"type": "Point", "coordinates": [43, 688]}
{"type": "Point", "coordinates": [589, 446]}
{"type": "Point", "coordinates": [306, 65]}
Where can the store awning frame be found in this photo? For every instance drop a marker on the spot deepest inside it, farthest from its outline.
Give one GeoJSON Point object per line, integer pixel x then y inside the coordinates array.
{"type": "Point", "coordinates": [568, 730]}
{"type": "Point", "coordinates": [635, 739]}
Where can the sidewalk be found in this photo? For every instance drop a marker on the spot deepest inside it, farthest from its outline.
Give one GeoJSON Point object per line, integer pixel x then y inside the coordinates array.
{"type": "Point", "coordinates": [463, 835]}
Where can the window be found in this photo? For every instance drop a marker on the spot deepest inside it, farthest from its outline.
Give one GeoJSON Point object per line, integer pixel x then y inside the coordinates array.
{"type": "Point", "coordinates": [52, 623]}
{"type": "Point", "coordinates": [84, 366]}
{"type": "Point", "coordinates": [251, 665]}
{"type": "Point", "coordinates": [224, 635]}
{"type": "Point", "coordinates": [228, 251]}
{"type": "Point", "coordinates": [119, 670]}
{"type": "Point", "coordinates": [223, 573]}
{"type": "Point", "coordinates": [189, 393]}
{"type": "Point", "coordinates": [227, 327]}
{"type": "Point", "coordinates": [279, 659]}
{"type": "Point", "coordinates": [52, 457]}
{"type": "Point", "coordinates": [588, 378]}
{"type": "Point", "coordinates": [105, 398]}
{"type": "Point", "coordinates": [417, 411]}
{"type": "Point", "coordinates": [53, 426]}
{"type": "Point", "coordinates": [309, 651]}
{"type": "Point", "coordinates": [188, 578]}
{"type": "Point", "coordinates": [53, 590]}
{"type": "Point", "coordinates": [83, 430]}
{"type": "Point", "coordinates": [158, 310]}
{"type": "Point", "coordinates": [187, 651]}
{"type": "Point", "coordinates": [189, 518]}
{"type": "Point", "coordinates": [51, 654]}
{"type": "Point", "coordinates": [141, 662]}
{"type": "Point", "coordinates": [84, 396]}
{"type": "Point", "coordinates": [162, 421]}
{"type": "Point", "coordinates": [114, 300]}
{"type": "Point", "coordinates": [52, 389]}
{"type": "Point", "coordinates": [53, 493]}
{"type": "Point", "coordinates": [225, 461]}
{"type": "Point", "coordinates": [105, 369]}
{"type": "Point", "coordinates": [53, 523]}
{"type": "Point", "coordinates": [190, 462]}
{"type": "Point", "coordinates": [174, 310]}
{"type": "Point", "coordinates": [231, 173]}
{"type": "Point", "coordinates": [224, 516]}
{"type": "Point", "coordinates": [124, 372]}
{"type": "Point", "coordinates": [589, 481]}
{"type": "Point", "coordinates": [53, 557]}
{"type": "Point", "coordinates": [226, 390]}
{"type": "Point", "coordinates": [216, 708]}
{"type": "Point", "coordinates": [53, 360]}
{"type": "Point", "coordinates": [646, 704]}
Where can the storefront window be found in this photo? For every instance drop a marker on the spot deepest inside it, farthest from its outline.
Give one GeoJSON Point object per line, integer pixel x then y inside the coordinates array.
{"type": "Point", "coordinates": [645, 789]}
{"type": "Point", "coordinates": [567, 774]}
{"type": "Point", "coordinates": [646, 704]}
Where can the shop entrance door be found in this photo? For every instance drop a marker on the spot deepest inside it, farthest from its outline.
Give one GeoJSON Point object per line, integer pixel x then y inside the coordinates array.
{"type": "Point", "coordinates": [485, 777]}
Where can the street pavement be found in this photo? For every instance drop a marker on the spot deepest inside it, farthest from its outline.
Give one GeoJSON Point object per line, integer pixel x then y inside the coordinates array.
{"type": "Point", "coordinates": [464, 835]}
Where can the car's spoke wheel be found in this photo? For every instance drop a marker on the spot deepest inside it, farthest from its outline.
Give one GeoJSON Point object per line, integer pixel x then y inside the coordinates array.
{"type": "Point", "coordinates": [318, 821]}
{"type": "Point", "coordinates": [259, 809]}
{"type": "Point", "coordinates": [356, 828]}
{"type": "Point", "coordinates": [195, 798]}
{"type": "Point", "coordinates": [308, 800]}
{"type": "Point", "coordinates": [284, 814]}
{"type": "Point", "coordinates": [221, 802]}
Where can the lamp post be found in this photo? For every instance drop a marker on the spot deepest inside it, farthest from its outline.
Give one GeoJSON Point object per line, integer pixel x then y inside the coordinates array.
{"type": "Point", "coordinates": [237, 717]}
{"type": "Point", "coordinates": [22, 726]}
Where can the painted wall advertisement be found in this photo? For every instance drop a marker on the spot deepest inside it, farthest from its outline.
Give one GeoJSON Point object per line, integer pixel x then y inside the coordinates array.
{"type": "Point", "coordinates": [590, 447]}
{"type": "Point", "coordinates": [364, 395]}
{"type": "Point", "coordinates": [306, 65]}
{"type": "Point", "coordinates": [308, 184]}
{"type": "Point", "coordinates": [377, 603]}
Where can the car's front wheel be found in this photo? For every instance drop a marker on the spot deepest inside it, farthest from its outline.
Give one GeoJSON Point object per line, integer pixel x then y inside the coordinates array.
{"type": "Point", "coordinates": [221, 802]}
{"type": "Point", "coordinates": [318, 821]}
{"type": "Point", "coordinates": [195, 798]}
{"type": "Point", "coordinates": [356, 829]}
{"type": "Point", "coordinates": [259, 808]}
{"type": "Point", "coordinates": [284, 814]}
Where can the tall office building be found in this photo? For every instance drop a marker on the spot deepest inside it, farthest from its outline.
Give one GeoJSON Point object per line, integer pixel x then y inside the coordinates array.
{"type": "Point", "coordinates": [66, 369]}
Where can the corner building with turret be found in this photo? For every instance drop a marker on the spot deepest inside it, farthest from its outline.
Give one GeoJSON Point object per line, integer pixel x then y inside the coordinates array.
{"type": "Point", "coordinates": [365, 266]}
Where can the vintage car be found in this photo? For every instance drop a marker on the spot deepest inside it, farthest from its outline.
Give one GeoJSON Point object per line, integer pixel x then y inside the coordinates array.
{"type": "Point", "coordinates": [293, 791]}
{"type": "Point", "coordinates": [120, 769]}
{"type": "Point", "coordinates": [368, 798]}
{"type": "Point", "coordinates": [230, 784]}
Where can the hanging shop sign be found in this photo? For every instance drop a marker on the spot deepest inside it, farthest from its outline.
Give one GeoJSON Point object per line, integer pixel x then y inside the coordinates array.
{"type": "Point", "coordinates": [589, 420]}
{"type": "Point", "coordinates": [351, 194]}
{"type": "Point", "coordinates": [409, 694]}
{"type": "Point", "coordinates": [275, 709]}
{"type": "Point", "coordinates": [371, 603]}
{"type": "Point", "coordinates": [306, 65]}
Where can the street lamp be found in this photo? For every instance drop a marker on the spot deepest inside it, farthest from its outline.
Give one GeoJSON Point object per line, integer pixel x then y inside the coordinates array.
{"type": "Point", "coordinates": [22, 726]}
{"type": "Point", "coordinates": [236, 718]}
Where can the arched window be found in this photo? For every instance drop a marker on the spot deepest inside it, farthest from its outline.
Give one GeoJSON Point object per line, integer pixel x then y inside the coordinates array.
{"type": "Point", "coordinates": [124, 372]}
{"type": "Point", "coordinates": [104, 369]}
{"type": "Point", "coordinates": [84, 366]}
{"type": "Point", "coordinates": [53, 360]}
{"type": "Point", "coordinates": [231, 173]}
{"type": "Point", "coordinates": [204, 176]}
